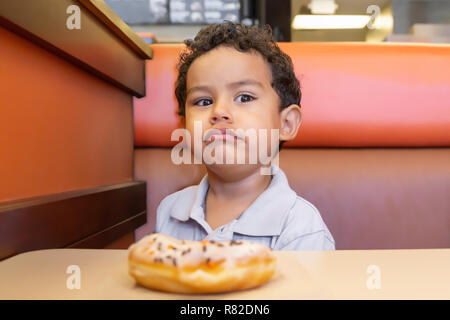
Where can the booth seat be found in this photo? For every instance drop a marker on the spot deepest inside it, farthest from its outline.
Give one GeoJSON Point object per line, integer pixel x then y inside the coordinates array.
{"type": "Point", "coordinates": [372, 153]}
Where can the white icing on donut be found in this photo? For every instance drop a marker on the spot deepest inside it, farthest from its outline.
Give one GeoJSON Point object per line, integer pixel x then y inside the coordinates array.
{"type": "Point", "coordinates": [179, 253]}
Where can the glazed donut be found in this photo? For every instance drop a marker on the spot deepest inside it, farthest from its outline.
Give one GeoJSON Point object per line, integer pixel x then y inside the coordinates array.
{"type": "Point", "coordinates": [167, 264]}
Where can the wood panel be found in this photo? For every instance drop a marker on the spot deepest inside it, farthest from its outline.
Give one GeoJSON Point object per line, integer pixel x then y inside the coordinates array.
{"type": "Point", "coordinates": [61, 128]}
{"type": "Point", "coordinates": [123, 242]}
{"type": "Point", "coordinates": [89, 218]}
{"type": "Point", "coordinates": [104, 45]}
{"type": "Point", "coordinates": [114, 237]}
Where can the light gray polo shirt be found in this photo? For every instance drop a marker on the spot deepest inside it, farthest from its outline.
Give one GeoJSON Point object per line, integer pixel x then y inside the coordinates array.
{"type": "Point", "coordinates": [278, 218]}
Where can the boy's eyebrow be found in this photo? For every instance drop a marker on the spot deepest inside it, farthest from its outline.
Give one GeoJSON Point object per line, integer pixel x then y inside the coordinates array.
{"type": "Point", "coordinates": [230, 85]}
{"type": "Point", "coordinates": [245, 82]}
{"type": "Point", "coordinates": [198, 88]}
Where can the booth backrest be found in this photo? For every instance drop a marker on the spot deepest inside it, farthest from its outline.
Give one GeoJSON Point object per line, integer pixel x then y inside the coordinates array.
{"type": "Point", "coordinates": [373, 151]}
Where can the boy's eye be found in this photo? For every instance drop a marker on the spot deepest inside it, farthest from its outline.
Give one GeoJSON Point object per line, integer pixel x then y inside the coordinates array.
{"type": "Point", "coordinates": [244, 98]}
{"type": "Point", "coordinates": [203, 102]}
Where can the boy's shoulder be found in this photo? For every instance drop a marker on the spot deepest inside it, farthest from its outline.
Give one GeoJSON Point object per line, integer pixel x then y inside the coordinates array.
{"type": "Point", "coordinates": [303, 221]}
{"type": "Point", "coordinates": [184, 196]}
{"type": "Point", "coordinates": [306, 212]}
{"type": "Point", "coordinates": [175, 205]}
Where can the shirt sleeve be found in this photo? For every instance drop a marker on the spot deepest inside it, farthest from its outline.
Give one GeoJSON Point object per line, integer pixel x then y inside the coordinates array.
{"type": "Point", "coordinates": [156, 228]}
{"type": "Point", "coordinates": [313, 241]}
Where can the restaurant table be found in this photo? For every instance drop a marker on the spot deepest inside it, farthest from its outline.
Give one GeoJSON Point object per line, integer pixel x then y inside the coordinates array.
{"type": "Point", "coordinates": [341, 274]}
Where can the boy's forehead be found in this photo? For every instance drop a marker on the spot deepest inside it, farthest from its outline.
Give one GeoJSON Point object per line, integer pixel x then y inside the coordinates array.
{"type": "Point", "coordinates": [225, 65]}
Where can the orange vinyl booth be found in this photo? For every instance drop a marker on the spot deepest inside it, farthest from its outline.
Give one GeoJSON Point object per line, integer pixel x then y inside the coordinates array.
{"type": "Point", "coordinates": [372, 153]}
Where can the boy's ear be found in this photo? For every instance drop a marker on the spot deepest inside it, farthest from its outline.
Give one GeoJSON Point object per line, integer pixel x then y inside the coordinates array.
{"type": "Point", "coordinates": [291, 118]}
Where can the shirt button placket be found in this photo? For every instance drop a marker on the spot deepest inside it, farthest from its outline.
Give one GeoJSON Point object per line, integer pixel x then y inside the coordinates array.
{"type": "Point", "coordinates": [226, 233]}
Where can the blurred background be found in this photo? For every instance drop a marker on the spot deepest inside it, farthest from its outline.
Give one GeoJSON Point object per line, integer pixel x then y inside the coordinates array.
{"type": "Point", "coordinates": [172, 21]}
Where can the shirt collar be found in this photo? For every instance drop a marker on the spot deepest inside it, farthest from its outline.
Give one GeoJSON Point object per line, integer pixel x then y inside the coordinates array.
{"type": "Point", "coordinates": [180, 212]}
{"type": "Point", "coordinates": [264, 217]}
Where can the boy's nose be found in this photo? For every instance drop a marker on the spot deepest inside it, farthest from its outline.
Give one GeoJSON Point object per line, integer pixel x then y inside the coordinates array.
{"type": "Point", "coordinates": [220, 114]}
{"type": "Point", "coordinates": [220, 117]}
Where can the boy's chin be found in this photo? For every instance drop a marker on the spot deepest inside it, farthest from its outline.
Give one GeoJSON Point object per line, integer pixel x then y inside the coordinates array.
{"type": "Point", "coordinates": [233, 172]}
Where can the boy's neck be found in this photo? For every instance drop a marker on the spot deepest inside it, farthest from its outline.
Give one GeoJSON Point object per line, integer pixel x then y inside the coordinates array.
{"type": "Point", "coordinates": [244, 185]}
{"type": "Point", "coordinates": [231, 194]}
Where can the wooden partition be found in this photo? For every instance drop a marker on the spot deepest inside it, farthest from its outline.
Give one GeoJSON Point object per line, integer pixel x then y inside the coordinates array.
{"type": "Point", "coordinates": [66, 126]}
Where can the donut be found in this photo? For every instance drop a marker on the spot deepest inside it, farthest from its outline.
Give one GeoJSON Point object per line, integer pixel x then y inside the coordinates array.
{"type": "Point", "coordinates": [167, 264]}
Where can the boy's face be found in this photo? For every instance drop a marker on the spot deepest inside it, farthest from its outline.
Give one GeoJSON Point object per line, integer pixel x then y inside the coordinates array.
{"type": "Point", "coordinates": [231, 89]}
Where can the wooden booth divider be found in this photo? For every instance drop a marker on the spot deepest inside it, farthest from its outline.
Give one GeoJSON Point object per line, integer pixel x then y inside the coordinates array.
{"type": "Point", "coordinates": [67, 127]}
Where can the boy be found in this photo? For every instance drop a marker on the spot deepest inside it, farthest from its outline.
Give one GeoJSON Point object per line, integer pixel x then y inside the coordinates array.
{"type": "Point", "coordinates": [233, 77]}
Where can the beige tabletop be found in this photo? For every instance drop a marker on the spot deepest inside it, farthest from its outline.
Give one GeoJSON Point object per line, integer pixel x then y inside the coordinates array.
{"type": "Point", "coordinates": [342, 274]}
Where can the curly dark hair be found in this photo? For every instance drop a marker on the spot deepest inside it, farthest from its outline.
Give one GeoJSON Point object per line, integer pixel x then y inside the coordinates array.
{"type": "Point", "coordinates": [242, 38]}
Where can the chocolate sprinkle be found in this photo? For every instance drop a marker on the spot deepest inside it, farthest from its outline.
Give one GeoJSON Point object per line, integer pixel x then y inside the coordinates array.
{"type": "Point", "coordinates": [185, 251]}
{"type": "Point", "coordinates": [204, 248]}
{"type": "Point", "coordinates": [159, 246]}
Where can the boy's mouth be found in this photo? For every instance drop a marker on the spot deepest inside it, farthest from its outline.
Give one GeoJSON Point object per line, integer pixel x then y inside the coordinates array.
{"type": "Point", "coordinates": [225, 134]}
